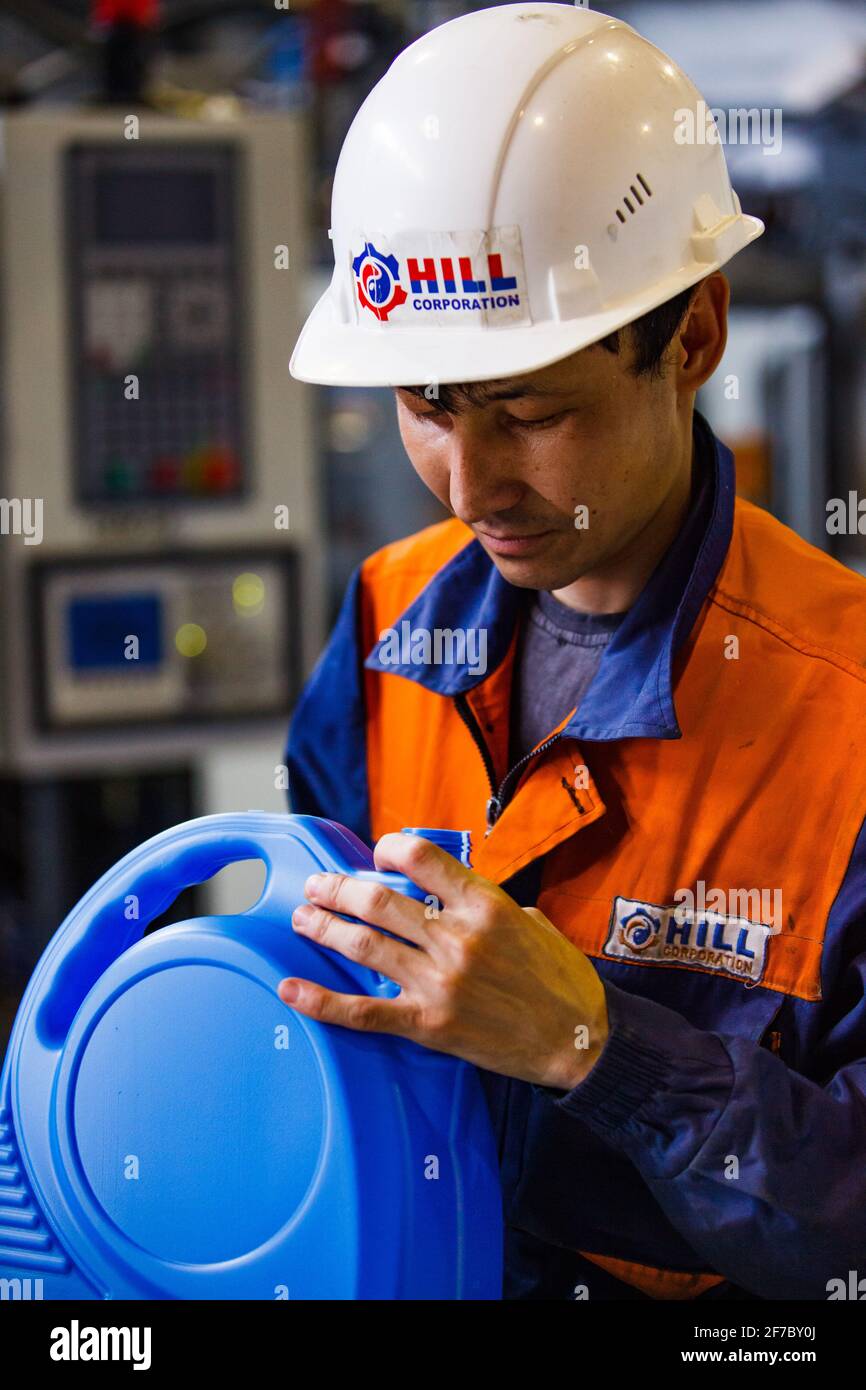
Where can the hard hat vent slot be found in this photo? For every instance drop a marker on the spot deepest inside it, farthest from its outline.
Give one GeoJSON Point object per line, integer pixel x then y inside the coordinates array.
{"type": "Point", "coordinates": [636, 196]}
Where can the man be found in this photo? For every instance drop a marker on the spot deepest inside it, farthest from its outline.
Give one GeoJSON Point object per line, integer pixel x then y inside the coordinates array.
{"type": "Point", "coordinates": [643, 698]}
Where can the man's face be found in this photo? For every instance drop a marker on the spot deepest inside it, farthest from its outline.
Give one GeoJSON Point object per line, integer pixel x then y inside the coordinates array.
{"type": "Point", "coordinates": [520, 469]}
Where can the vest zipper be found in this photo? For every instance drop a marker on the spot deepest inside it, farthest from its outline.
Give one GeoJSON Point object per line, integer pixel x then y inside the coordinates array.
{"type": "Point", "coordinates": [496, 801]}
{"type": "Point", "coordinates": [500, 798]}
{"type": "Point", "coordinates": [463, 709]}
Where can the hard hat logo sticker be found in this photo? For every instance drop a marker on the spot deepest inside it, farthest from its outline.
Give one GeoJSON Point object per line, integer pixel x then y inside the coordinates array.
{"type": "Point", "coordinates": [476, 276]}
{"type": "Point", "coordinates": [377, 278]}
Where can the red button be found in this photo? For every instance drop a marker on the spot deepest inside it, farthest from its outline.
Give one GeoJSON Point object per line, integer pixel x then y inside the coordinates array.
{"type": "Point", "coordinates": [219, 469]}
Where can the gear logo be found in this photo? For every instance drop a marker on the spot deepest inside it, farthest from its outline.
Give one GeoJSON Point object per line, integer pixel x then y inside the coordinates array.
{"type": "Point", "coordinates": [377, 279]}
{"type": "Point", "coordinates": [639, 929]}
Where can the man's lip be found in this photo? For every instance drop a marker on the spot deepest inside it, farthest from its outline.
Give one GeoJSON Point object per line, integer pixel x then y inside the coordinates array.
{"type": "Point", "coordinates": [512, 535]}
{"type": "Point", "coordinates": [512, 544]}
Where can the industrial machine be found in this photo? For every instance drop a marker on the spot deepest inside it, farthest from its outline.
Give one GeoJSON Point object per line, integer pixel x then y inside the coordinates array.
{"type": "Point", "coordinates": [160, 556]}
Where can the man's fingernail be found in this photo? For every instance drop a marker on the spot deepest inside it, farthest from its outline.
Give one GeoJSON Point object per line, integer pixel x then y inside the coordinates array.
{"type": "Point", "coordinates": [288, 991]}
{"type": "Point", "coordinates": [302, 914]}
{"type": "Point", "coordinates": [313, 883]}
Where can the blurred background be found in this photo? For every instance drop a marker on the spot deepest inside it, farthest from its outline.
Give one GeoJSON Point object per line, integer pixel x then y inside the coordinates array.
{"type": "Point", "coordinates": [153, 282]}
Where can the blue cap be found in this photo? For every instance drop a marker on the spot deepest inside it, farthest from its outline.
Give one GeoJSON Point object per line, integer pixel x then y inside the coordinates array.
{"type": "Point", "coordinates": [456, 842]}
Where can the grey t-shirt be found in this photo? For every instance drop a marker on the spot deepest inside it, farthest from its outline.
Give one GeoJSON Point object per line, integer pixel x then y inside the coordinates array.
{"type": "Point", "coordinates": [558, 656]}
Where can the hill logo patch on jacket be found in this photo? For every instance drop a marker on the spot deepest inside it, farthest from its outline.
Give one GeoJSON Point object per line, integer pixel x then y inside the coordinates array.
{"type": "Point", "coordinates": [679, 935]}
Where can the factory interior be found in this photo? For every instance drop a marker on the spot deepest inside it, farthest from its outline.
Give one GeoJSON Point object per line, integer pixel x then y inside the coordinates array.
{"type": "Point", "coordinates": [227, 507]}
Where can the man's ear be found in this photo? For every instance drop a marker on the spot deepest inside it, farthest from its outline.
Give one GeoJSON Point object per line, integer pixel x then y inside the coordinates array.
{"type": "Point", "coordinates": [700, 340]}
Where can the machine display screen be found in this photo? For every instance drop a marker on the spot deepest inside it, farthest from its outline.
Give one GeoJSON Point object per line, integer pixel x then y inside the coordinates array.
{"type": "Point", "coordinates": [155, 205]}
{"type": "Point", "coordinates": [157, 639]}
{"type": "Point", "coordinates": [99, 631]}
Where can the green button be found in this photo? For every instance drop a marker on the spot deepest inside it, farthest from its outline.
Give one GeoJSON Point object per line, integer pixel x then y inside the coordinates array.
{"type": "Point", "coordinates": [118, 476]}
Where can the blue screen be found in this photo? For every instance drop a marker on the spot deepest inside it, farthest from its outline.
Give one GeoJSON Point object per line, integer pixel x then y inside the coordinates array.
{"type": "Point", "coordinates": [98, 630]}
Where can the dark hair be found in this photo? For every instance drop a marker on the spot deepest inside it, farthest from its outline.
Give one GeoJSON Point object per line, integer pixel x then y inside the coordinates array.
{"type": "Point", "coordinates": [650, 335]}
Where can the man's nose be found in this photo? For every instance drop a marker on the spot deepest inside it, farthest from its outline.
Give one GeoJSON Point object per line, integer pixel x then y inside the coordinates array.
{"type": "Point", "coordinates": [481, 479]}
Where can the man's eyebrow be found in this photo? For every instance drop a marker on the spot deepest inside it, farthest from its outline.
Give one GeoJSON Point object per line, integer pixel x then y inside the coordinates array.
{"type": "Point", "coordinates": [506, 389]}
{"type": "Point", "coordinates": [509, 390]}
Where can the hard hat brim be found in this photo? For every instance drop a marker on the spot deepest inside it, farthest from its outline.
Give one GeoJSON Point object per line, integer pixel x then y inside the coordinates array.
{"type": "Point", "coordinates": [330, 353]}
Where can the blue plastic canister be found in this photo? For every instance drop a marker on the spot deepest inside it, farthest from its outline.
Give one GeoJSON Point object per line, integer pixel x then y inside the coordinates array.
{"type": "Point", "coordinates": [170, 1129]}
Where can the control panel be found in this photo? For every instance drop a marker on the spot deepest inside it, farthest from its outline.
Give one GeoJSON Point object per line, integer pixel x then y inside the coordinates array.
{"type": "Point", "coordinates": [157, 331]}
{"type": "Point", "coordinates": [147, 641]}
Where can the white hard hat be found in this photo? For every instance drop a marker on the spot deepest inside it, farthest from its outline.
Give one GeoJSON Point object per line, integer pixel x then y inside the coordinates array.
{"type": "Point", "coordinates": [514, 188]}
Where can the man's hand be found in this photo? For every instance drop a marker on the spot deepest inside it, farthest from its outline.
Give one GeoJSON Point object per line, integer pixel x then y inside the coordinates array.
{"type": "Point", "coordinates": [491, 982]}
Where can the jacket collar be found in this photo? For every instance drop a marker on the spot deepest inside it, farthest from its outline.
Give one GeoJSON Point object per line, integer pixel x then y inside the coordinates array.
{"type": "Point", "coordinates": [631, 695]}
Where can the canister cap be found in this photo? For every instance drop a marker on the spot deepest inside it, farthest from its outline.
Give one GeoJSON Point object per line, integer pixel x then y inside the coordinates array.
{"type": "Point", "coordinates": [456, 842]}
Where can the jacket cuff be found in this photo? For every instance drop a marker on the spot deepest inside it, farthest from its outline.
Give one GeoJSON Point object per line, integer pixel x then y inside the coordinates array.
{"type": "Point", "coordinates": [654, 1069]}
